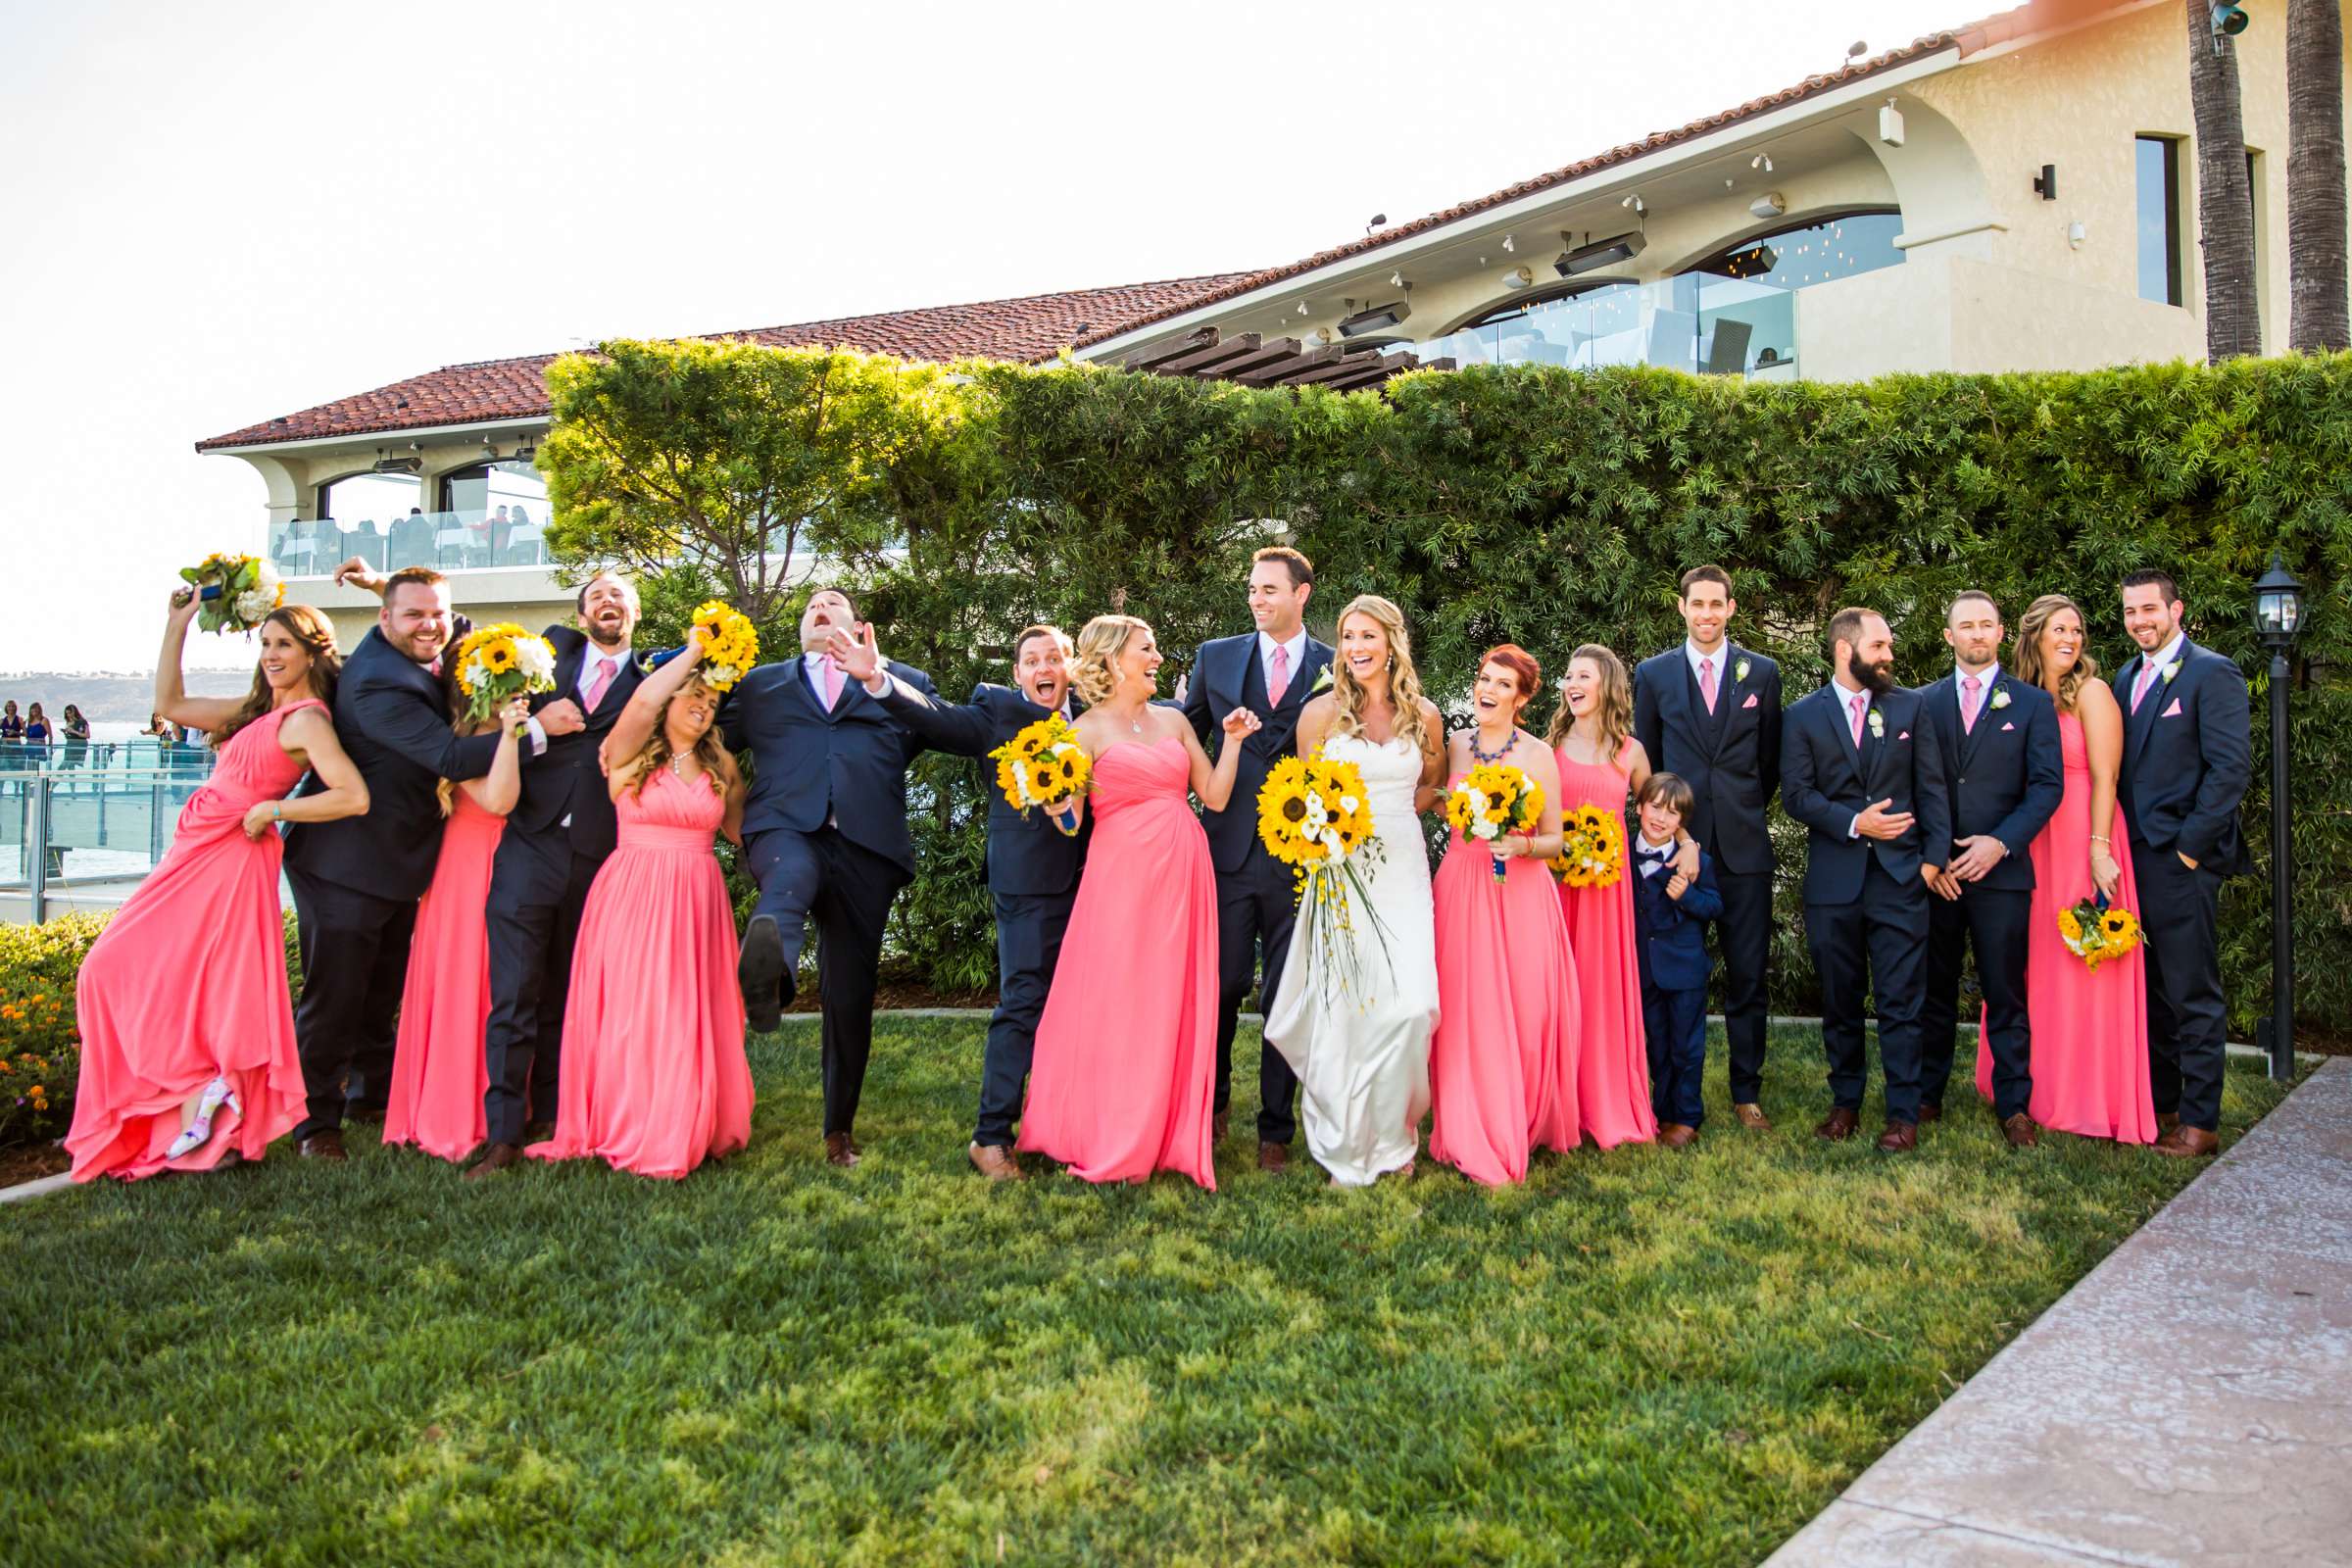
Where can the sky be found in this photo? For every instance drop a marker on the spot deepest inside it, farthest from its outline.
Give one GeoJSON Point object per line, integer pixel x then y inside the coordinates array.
{"type": "Point", "coordinates": [220, 213]}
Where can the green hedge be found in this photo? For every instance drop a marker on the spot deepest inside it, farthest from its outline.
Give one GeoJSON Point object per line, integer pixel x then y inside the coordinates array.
{"type": "Point", "coordinates": [1550, 507]}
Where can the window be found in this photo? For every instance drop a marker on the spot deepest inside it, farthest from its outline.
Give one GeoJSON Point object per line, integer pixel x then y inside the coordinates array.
{"type": "Point", "coordinates": [2157, 173]}
{"type": "Point", "coordinates": [1740, 313]}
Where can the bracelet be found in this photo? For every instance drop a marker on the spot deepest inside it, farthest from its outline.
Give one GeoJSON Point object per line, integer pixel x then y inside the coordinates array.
{"type": "Point", "coordinates": [2101, 838]}
{"type": "Point", "coordinates": [277, 810]}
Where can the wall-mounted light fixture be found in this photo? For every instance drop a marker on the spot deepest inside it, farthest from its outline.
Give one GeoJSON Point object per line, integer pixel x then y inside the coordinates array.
{"type": "Point", "coordinates": [2045, 183]}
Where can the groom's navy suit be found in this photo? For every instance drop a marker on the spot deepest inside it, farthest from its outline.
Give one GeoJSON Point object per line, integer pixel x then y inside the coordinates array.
{"type": "Point", "coordinates": [1256, 895]}
{"type": "Point", "coordinates": [556, 837]}
{"type": "Point", "coordinates": [1866, 905]}
{"type": "Point", "coordinates": [1033, 871]}
{"type": "Point", "coordinates": [1731, 758]}
{"type": "Point", "coordinates": [357, 880]}
{"type": "Point", "coordinates": [825, 833]}
{"type": "Point", "coordinates": [2004, 775]}
{"type": "Point", "coordinates": [2187, 755]}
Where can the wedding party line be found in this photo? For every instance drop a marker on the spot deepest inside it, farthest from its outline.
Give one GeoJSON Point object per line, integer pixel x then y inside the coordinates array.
{"type": "Point", "coordinates": [516, 941]}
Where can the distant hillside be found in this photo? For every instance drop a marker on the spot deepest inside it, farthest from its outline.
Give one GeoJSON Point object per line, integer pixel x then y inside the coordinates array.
{"type": "Point", "coordinates": [109, 697]}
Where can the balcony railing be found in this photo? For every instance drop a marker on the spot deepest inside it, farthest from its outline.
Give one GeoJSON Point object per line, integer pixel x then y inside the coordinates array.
{"type": "Point", "coordinates": [450, 541]}
{"type": "Point", "coordinates": [1700, 323]}
{"type": "Point", "coordinates": [90, 812]}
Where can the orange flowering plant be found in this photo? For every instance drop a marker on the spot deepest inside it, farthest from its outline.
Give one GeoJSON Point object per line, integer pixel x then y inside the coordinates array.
{"type": "Point", "coordinates": [41, 1047]}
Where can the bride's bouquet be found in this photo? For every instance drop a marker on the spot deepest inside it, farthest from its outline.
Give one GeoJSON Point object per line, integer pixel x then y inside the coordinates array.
{"type": "Point", "coordinates": [2095, 933]}
{"type": "Point", "coordinates": [1044, 765]}
{"type": "Point", "coordinates": [1592, 849]}
{"type": "Point", "coordinates": [497, 664]}
{"type": "Point", "coordinates": [1315, 817]}
{"type": "Point", "coordinates": [234, 593]}
{"type": "Point", "coordinates": [1492, 800]}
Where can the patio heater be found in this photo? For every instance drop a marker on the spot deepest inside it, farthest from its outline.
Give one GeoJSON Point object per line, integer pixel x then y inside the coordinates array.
{"type": "Point", "coordinates": [2278, 613]}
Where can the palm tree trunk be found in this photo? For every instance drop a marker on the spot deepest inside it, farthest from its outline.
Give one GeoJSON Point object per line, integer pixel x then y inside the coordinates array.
{"type": "Point", "coordinates": [2225, 196]}
{"type": "Point", "coordinates": [2316, 257]}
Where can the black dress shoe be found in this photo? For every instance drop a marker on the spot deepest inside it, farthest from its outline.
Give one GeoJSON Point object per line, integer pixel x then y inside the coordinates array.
{"type": "Point", "coordinates": [495, 1158]}
{"type": "Point", "coordinates": [761, 974]}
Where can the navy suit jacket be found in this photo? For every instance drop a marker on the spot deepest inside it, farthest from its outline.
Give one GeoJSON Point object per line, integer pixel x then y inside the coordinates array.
{"type": "Point", "coordinates": [1826, 783]}
{"type": "Point", "coordinates": [566, 781]}
{"type": "Point", "coordinates": [1667, 932]}
{"type": "Point", "coordinates": [1227, 674]}
{"type": "Point", "coordinates": [1027, 855]}
{"type": "Point", "coordinates": [2006, 775]}
{"type": "Point", "coordinates": [392, 716]}
{"type": "Point", "coordinates": [810, 761]}
{"type": "Point", "coordinates": [2187, 756]}
{"type": "Point", "coordinates": [1731, 758]}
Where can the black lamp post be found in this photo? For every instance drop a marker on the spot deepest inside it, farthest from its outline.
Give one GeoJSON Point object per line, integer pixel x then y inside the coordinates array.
{"type": "Point", "coordinates": [2278, 611]}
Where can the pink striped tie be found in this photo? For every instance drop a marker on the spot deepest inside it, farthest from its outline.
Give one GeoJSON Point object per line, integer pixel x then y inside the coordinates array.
{"type": "Point", "coordinates": [1970, 685]}
{"type": "Point", "coordinates": [1706, 682]}
{"type": "Point", "coordinates": [598, 684]}
{"type": "Point", "coordinates": [1861, 702]}
{"type": "Point", "coordinates": [832, 683]}
{"type": "Point", "coordinates": [2139, 687]}
{"type": "Point", "coordinates": [1278, 675]}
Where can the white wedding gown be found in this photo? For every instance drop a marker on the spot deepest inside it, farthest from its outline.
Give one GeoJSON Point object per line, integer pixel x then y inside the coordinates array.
{"type": "Point", "coordinates": [1362, 1058]}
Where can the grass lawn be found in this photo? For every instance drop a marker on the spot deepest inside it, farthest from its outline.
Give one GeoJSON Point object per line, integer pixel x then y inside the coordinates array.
{"type": "Point", "coordinates": [1638, 1356]}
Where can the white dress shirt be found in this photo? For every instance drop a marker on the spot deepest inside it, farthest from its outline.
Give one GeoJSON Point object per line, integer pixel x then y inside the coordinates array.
{"type": "Point", "coordinates": [1723, 662]}
{"type": "Point", "coordinates": [2157, 662]}
{"type": "Point", "coordinates": [1642, 848]}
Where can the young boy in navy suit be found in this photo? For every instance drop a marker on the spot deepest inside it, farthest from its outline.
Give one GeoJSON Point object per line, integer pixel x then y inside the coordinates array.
{"type": "Point", "coordinates": [1670, 916]}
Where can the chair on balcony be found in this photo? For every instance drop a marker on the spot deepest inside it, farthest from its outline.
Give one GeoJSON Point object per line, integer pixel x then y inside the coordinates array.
{"type": "Point", "coordinates": [368, 542]}
{"type": "Point", "coordinates": [449, 544]}
{"type": "Point", "coordinates": [297, 551]}
{"type": "Point", "coordinates": [524, 544]}
{"type": "Point", "coordinates": [1727, 347]}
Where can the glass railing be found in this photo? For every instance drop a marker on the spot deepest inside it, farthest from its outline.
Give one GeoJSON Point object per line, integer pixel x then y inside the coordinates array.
{"type": "Point", "coordinates": [1699, 322]}
{"type": "Point", "coordinates": [450, 541]}
{"type": "Point", "coordinates": [99, 823]}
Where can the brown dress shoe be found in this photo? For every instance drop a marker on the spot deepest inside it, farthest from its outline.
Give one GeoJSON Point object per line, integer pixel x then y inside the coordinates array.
{"type": "Point", "coordinates": [495, 1158]}
{"type": "Point", "coordinates": [1752, 1116]}
{"type": "Point", "coordinates": [841, 1149]}
{"type": "Point", "coordinates": [996, 1162]}
{"type": "Point", "coordinates": [2165, 1121]}
{"type": "Point", "coordinates": [2184, 1142]}
{"type": "Point", "coordinates": [1274, 1159]}
{"type": "Point", "coordinates": [1838, 1125]}
{"type": "Point", "coordinates": [327, 1144]}
{"type": "Point", "coordinates": [1675, 1135]}
{"type": "Point", "coordinates": [1929, 1114]}
{"type": "Point", "coordinates": [1899, 1137]}
{"type": "Point", "coordinates": [2020, 1131]}
{"type": "Point", "coordinates": [1218, 1125]}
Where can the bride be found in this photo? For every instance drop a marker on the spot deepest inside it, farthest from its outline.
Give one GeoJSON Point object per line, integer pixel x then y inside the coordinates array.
{"type": "Point", "coordinates": [1362, 1059]}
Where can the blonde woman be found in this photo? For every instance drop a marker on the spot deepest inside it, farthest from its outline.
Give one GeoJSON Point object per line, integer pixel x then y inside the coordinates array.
{"type": "Point", "coordinates": [1361, 1051]}
{"type": "Point", "coordinates": [1124, 1077]}
{"type": "Point", "coordinates": [2090, 1051]}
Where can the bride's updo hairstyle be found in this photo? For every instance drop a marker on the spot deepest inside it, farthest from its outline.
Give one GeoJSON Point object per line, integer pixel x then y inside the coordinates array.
{"type": "Point", "coordinates": [1095, 668]}
{"type": "Point", "coordinates": [1404, 683]}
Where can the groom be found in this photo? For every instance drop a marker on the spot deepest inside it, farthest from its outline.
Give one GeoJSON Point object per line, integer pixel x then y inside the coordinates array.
{"type": "Point", "coordinates": [1270, 671]}
{"type": "Point", "coordinates": [2187, 755]}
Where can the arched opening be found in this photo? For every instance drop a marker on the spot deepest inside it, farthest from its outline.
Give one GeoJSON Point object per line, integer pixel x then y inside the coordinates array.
{"type": "Point", "coordinates": [1581, 323]}
{"type": "Point", "coordinates": [354, 514]}
{"type": "Point", "coordinates": [494, 514]}
{"type": "Point", "coordinates": [1741, 300]}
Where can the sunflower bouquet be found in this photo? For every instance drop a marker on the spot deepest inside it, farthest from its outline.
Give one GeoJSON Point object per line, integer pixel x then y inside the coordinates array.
{"type": "Point", "coordinates": [1043, 766]}
{"type": "Point", "coordinates": [730, 647]}
{"type": "Point", "coordinates": [2095, 933]}
{"type": "Point", "coordinates": [1492, 800]}
{"type": "Point", "coordinates": [1593, 849]}
{"type": "Point", "coordinates": [234, 593]}
{"type": "Point", "coordinates": [1315, 817]}
{"type": "Point", "coordinates": [497, 664]}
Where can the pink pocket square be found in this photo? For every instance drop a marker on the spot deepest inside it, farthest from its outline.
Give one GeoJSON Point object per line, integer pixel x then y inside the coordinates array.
{"type": "Point", "coordinates": [2005, 728]}
{"type": "Point", "coordinates": [2173, 711]}
{"type": "Point", "coordinates": [1751, 701]}
{"type": "Point", "coordinates": [1904, 736]}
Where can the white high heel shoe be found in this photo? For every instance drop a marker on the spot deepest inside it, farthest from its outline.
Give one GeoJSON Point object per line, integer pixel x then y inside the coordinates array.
{"type": "Point", "coordinates": [216, 1094]}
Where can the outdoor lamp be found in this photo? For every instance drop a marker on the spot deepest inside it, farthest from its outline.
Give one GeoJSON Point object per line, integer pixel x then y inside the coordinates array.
{"type": "Point", "coordinates": [2278, 604]}
{"type": "Point", "coordinates": [2278, 613]}
{"type": "Point", "coordinates": [2229, 21]}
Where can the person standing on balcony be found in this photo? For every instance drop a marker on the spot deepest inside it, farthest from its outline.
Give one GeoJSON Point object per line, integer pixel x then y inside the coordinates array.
{"type": "Point", "coordinates": [12, 724]}
{"type": "Point", "coordinates": [1709, 712]}
{"type": "Point", "coordinates": [36, 727]}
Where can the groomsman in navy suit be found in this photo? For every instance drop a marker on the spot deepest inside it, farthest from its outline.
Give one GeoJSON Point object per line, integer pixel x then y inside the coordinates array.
{"type": "Point", "coordinates": [1033, 866]}
{"type": "Point", "coordinates": [825, 833]}
{"type": "Point", "coordinates": [555, 840]}
{"type": "Point", "coordinates": [1271, 671]}
{"type": "Point", "coordinates": [1710, 712]}
{"type": "Point", "coordinates": [2187, 755]}
{"type": "Point", "coordinates": [2004, 773]}
{"type": "Point", "coordinates": [1861, 768]}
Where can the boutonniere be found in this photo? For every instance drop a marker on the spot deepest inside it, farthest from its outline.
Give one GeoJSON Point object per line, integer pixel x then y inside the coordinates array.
{"type": "Point", "coordinates": [1739, 670]}
{"type": "Point", "coordinates": [1322, 682]}
{"type": "Point", "coordinates": [2170, 669]}
{"type": "Point", "coordinates": [1878, 725]}
{"type": "Point", "coordinates": [2000, 698]}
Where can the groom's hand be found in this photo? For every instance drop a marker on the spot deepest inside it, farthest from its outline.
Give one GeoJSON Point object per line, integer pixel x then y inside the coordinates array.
{"type": "Point", "coordinates": [1980, 852]}
{"type": "Point", "coordinates": [1877, 823]}
{"type": "Point", "coordinates": [563, 717]}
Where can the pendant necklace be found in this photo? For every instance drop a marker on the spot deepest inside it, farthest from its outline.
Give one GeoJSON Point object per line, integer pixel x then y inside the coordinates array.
{"type": "Point", "coordinates": [677, 772]}
{"type": "Point", "coordinates": [1509, 741]}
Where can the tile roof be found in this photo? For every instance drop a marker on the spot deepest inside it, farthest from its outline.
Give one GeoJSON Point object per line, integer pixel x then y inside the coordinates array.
{"type": "Point", "coordinates": [1969, 39]}
{"type": "Point", "coordinates": [1035, 327]}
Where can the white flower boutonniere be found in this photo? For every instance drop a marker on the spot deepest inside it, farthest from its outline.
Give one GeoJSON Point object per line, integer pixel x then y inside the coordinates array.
{"type": "Point", "coordinates": [2000, 698]}
{"type": "Point", "coordinates": [1739, 670]}
{"type": "Point", "coordinates": [2169, 670]}
{"type": "Point", "coordinates": [1878, 725]}
{"type": "Point", "coordinates": [1322, 682]}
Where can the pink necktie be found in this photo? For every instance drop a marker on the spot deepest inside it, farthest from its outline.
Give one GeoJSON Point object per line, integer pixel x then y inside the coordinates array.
{"type": "Point", "coordinates": [832, 683]}
{"type": "Point", "coordinates": [1278, 676]}
{"type": "Point", "coordinates": [1706, 682]}
{"type": "Point", "coordinates": [2139, 687]}
{"type": "Point", "coordinates": [598, 686]}
{"type": "Point", "coordinates": [1861, 702]}
{"type": "Point", "coordinates": [1970, 685]}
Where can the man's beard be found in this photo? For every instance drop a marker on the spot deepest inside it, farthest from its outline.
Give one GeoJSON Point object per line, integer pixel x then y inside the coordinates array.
{"type": "Point", "coordinates": [1876, 679]}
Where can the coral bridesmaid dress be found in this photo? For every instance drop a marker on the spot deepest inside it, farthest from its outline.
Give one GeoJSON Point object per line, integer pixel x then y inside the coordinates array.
{"type": "Point", "coordinates": [1125, 1067]}
{"type": "Point", "coordinates": [188, 983]}
{"type": "Point", "coordinates": [1502, 1063]}
{"type": "Point", "coordinates": [655, 1078]}
{"type": "Point", "coordinates": [1612, 1059]}
{"type": "Point", "coordinates": [2091, 1028]}
{"type": "Point", "coordinates": [438, 1075]}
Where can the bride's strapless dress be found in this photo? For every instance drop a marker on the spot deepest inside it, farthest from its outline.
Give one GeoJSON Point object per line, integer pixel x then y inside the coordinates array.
{"type": "Point", "coordinates": [1362, 1058]}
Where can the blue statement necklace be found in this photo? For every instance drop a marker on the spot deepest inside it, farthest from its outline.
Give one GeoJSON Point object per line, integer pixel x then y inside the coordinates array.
{"type": "Point", "coordinates": [1509, 741]}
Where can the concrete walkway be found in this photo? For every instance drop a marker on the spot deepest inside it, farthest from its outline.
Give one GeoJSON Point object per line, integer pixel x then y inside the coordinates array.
{"type": "Point", "coordinates": [2189, 1401]}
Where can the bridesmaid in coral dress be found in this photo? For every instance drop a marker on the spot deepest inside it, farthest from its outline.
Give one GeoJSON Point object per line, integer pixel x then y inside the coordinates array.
{"type": "Point", "coordinates": [438, 1076]}
{"type": "Point", "coordinates": [1502, 1063]}
{"type": "Point", "coordinates": [187, 1030]}
{"type": "Point", "coordinates": [655, 1077]}
{"type": "Point", "coordinates": [2091, 1027]}
{"type": "Point", "coordinates": [1124, 1074]}
{"type": "Point", "coordinates": [1599, 760]}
